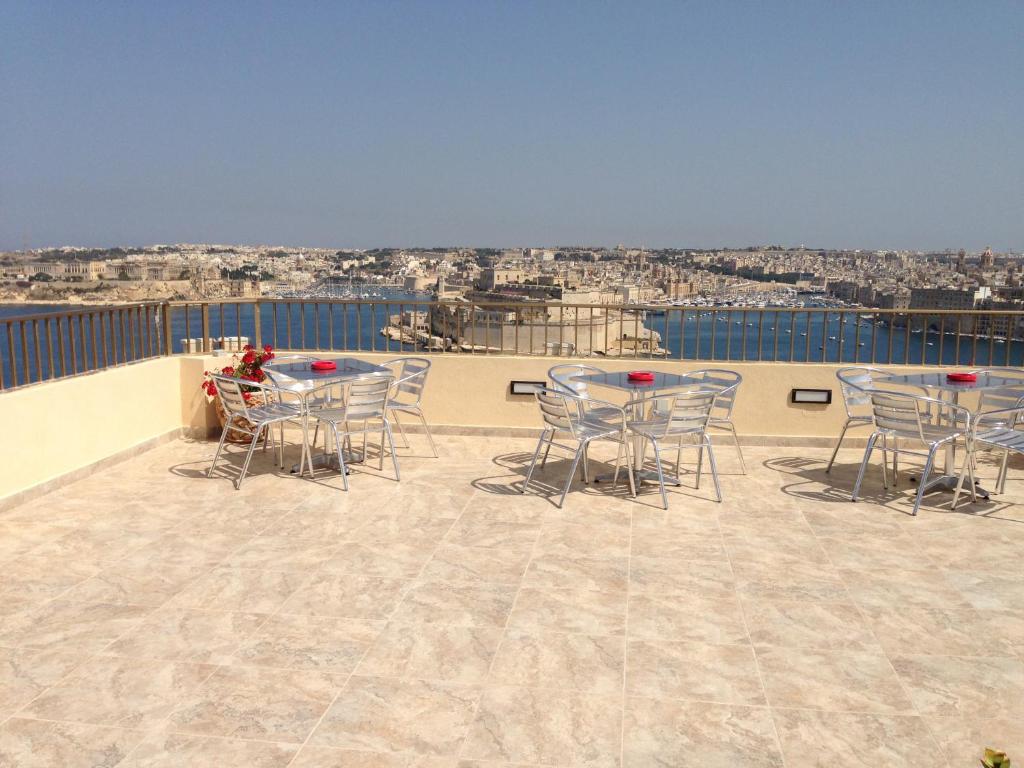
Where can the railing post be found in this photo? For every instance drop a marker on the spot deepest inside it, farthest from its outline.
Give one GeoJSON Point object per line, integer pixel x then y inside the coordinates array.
{"type": "Point", "coordinates": [165, 311]}
{"type": "Point", "coordinates": [258, 339]}
{"type": "Point", "coordinates": [205, 312]}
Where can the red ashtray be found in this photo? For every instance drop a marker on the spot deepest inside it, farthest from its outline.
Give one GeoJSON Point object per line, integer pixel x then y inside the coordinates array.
{"type": "Point", "coordinates": [640, 376]}
{"type": "Point", "coordinates": [323, 365]}
{"type": "Point", "coordinates": [961, 377]}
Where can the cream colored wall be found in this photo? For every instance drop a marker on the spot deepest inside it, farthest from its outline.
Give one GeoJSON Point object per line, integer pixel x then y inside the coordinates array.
{"type": "Point", "coordinates": [54, 429]}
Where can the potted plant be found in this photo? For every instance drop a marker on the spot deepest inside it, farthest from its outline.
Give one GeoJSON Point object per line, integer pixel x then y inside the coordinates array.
{"type": "Point", "coordinates": [995, 759]}
{"type": "Point", "coordinates": [248, 367]}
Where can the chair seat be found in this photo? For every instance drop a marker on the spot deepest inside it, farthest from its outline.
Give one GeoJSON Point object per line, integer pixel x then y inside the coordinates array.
{"type": "Point", "coordinates": [274, 412]}
{"type": "Point", "coordinates": [1003, 437]}
{"type": "Point", "coordinates": [656, 428]}
{"type": "Point", "coordinates": [930, 433]}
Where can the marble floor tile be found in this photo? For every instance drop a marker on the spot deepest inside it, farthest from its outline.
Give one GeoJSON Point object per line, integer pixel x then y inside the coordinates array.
{"type": "Point", "coordinates": [248, 590]}
{"type": "Point", "coordinates": [478, 532]}
{"type": "Point", "coordinates": [443, 652]}
{"type": "Point", "coordinates": [131, 693]}
{"type": "Point", "coordinates": [476, 564]}
{"type": "Point", "coordinates": [392, 561]}
{"type": "Point", "coordinates": [934, 631]}
{"type": "Point", "coordinates": [570, 610]}
{"type": "Point", "coordinates": [481, 605]}
{"type": "Point", "coordinates": [349, 596]}
{"type": "Point", "coordinates": [698, 735]}
{"type": "Point", "coordinates": [603, 574]}
{"type": "Point", "coordinates": [841, 740]}
{"type": "Point", "coordinates": [280, 553]}
{"type": "Point", "coordinates": [25, 673]}
{"type": "Point", "coordinates": [535, 658]}
{"type": "Point", "coordinates": [35, 577]}
{"type": "Point", "coordinates": [845, 681]}
{"type": "Point", "coordinates": [330, 757]}
{"type": "Point", "coordinates": [687, 617]}
{"type": "Point", "coordinates": [795, 624]}
{"type": "Point", "coordinates": [951, 686]}
{"type": "Point", "coordinates": [80, 627]}
{"type": "Point", "coordinates": [582, 539]}
{"type": "Point", "coordinates": [705, 545]}
{"type": "Point", "coordinates": [135, 584]}
{"type": "Point", "coordinates": [667, 576]}
{"type": "Point", "coordinates": [188, 548]}
{"type": "Point", "coordinates": [295, 641]}
{"type": "Point", "coordinates": [545, 726]}
{"type": "Point", "coordinates": [257, 703]}
{"type": "Point", "coordinates": [389, 715]}
{"type": "Point", "coordinates": [895, 588]}
{"type": "Point", "coordinates": [176, 750]}
{"type": "Point", "coordinates": [38, 744]}
{"type": "Point", "coordinates": [788, 581]}
{"type": "Point", "coordinates": [186, 634]}
{"type": "Point", "coordinates": [726, 674]}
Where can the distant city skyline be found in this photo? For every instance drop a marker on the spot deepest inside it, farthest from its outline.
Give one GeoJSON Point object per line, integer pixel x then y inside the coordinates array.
{"type": "Point", "coordinates": [360, 125]}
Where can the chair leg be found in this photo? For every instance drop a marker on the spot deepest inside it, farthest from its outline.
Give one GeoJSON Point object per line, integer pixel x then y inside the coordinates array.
{"type": "Point", "coordinates": [248, 457]}
{"type": "Point", "coordinates": [533, 462]}
{"type": "Point", "coordinates": [863, 465]}
{"type": "Point", "coordinates": [544, 461]}
{"type": "Point", "coordinates": [700, 463]}
{"type": "Point", "coordinates": [394, 453]}
{"type": "Point", "coordinates": [341, 456]}
{"type": "Point", "coordinates": [924, 478]}
{"type": "Point", "coordinates": [661, 474]}
{"type": "Point", "coordinates": [835, 450]}
{"type": "Point", "coordinates": [585, 474]}
{"type": "Point", "coordinates": [714, 470]}
{"type": "Point", "coordinates": [960, 479]}
{"type": "Point", "coordinates": [220, 447]}
{"type": "Point", "coordinates": [1003, 467]}
{"type": "Point", "coordinates": [618, 464]}
{"type": "Point", "coordinates": [572, 473]}
{"type": "Point", "coordinates": [629, 469]}
{"type": "Point", "coordinates": [739, 450]}
{"type": "Point", "coordinates": [401, 430]}
{"type": "Point", "coordinates": [426, 428]}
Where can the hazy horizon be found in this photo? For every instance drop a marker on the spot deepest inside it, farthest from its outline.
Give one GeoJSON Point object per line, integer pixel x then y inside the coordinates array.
{"type": "Point", "coordinates": [361, 125]}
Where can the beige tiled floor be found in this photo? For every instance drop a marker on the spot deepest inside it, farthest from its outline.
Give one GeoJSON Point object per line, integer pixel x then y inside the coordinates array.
{"type": "Point", "coordinates": [150, 616]}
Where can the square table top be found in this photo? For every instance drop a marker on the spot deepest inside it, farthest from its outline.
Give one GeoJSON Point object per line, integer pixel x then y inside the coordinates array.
{"type": "Point", "coordinates": [348, 368]}
{"type": "Point", "coordinates": [940, 382]}
{"type": "Point", "coordinates": [620, 380]}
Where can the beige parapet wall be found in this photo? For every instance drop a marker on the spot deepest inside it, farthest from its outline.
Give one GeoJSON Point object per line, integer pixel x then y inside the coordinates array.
{"type": "Point", "coordinates": [57, 429]}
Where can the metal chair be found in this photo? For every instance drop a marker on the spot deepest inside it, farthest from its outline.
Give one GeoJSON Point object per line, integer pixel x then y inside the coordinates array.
{"type": "Point", "coordinates": [561, 413]}
{"type": "Point", "coordinates": [727, 384]}
{"type": "Point", "coordinates": [240, 414]}
{"type": "Point", "coordinates": [407, 393]}
{"type": "Point", "coordinates": [678, 415]}
{"type": "Point", "coordinates": [363, 401]}
{"type": "Point", "coordinates": [996, 429]}
{"type": "Point", "coordinates": [993, 401]}
{"type": "Point", "coordinates": [931, 422]}
{"type": "Point", "coordinates": [855, 383]}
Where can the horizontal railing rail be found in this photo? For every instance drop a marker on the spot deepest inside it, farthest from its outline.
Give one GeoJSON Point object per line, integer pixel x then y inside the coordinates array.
{"type": "Point", "coordinates": [50, 345]}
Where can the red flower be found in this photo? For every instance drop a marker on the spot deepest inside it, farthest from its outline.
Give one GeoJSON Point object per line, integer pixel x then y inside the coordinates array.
{"type": "Point", "coordinates": [248, 348]}
{"type": "Point", "coordinates": [267, 349]}
{"type": "Point", "coordinates": [248, 358]}
{"type": "Point", "coordinates": [228, 371]}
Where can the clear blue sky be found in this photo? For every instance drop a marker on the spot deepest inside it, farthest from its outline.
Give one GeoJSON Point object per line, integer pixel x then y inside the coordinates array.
{"type": "Point", "coordinates": [871, 124]}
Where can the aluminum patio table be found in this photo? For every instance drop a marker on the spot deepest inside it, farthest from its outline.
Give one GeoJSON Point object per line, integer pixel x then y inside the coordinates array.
{"type": "Point", "coordinates": [938, 382]}
{"type": "Point", "coordinates": [638, 391]}
{"type": "Point", "coordinates": [300, 379]}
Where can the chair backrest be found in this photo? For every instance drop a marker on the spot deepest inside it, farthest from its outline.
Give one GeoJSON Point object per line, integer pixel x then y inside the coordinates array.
{"type": "Point", "coordinates": [856, 383]}
{"type": "Point", "coordinates": [367, 398]}
{"type": "Point", "coordinates": [562, 380]}
{"type": "Point", "coordinates": [232, 396]}
{"type": "Point", "coordinates": [410, 379]}
{"type": "Point", "coordinates": [723, 381]}
{"type": "Point", "coordinates": [559, 410]}
{"type": "Point", "coordinates": [1011, 396]}
{"type": "Point", "coordinates": [678, 413]}
{"type": "Point", "coordinates": [911, 416]}
{"type": "Point", "coordinates": [282, 380]}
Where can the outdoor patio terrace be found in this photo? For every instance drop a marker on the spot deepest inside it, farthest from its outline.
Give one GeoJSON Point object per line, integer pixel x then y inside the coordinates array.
{"type": "Point", "coordinates": [154, 617]}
